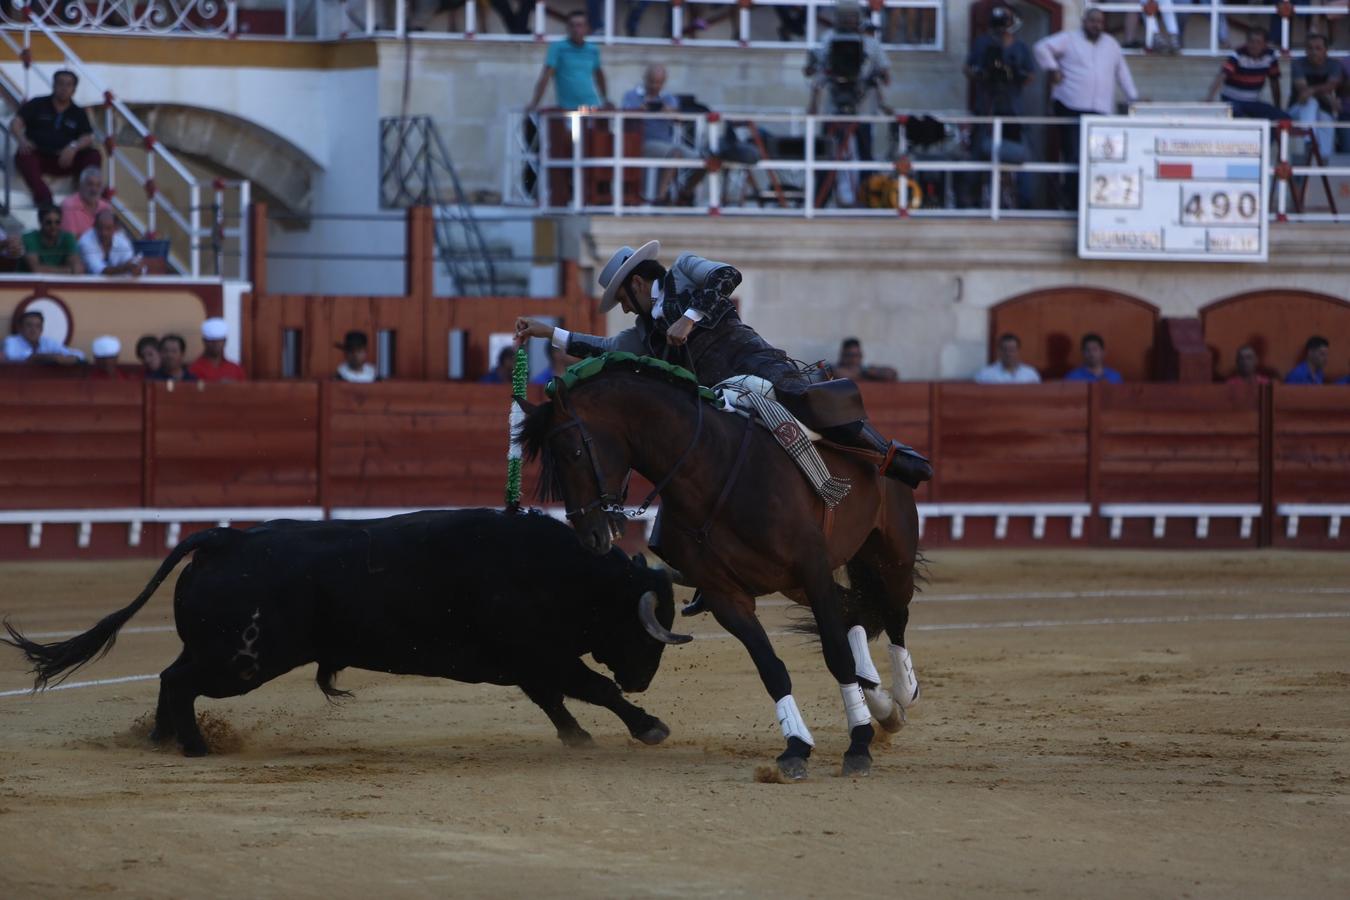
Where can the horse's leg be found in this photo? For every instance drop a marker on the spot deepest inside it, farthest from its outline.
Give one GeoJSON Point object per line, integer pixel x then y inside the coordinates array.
{"type": "Point", "coordinates": [894, 558]}
{"type": "Point", "coordinates": [737, 615]}
{"type": "Point", "coordinates": [823, 595]}
{"type": "Point", "coordinates": [866, 581]}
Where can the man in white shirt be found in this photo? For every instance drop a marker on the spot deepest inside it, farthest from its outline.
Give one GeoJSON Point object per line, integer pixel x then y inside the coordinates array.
{"type": "Point", "coordinates": [30, 346]}
{"type": "Point", "coordinates": [106, 249]}
{"type": "Point", "coordinates": [1008, 368]}
{"type": "Point", "coordinates": [1085, 66]}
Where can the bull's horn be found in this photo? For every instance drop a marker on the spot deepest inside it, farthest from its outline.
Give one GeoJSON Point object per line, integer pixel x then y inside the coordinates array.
{"type": "Point", "coordinates": [647, 613]}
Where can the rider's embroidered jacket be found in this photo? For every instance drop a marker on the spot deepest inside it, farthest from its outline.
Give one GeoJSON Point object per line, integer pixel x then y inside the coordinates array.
{"type": "Point", "coordinates": [691, 282]}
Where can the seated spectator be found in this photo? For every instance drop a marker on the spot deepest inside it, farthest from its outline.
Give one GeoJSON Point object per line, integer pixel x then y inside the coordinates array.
{"type": "Point", "coordinates": [147, 351]}
{"type": "Point", "coordinates": [172, 349]}
{"type": "Point", "coordinates": [1313, 96]}
{"type": "Point", "coordinates": [79, 209]}
{"type": "Point", "coordinates": [54, 137]}
{"type": "Point", "coordinates": [1008, 368]}
{"type": "Point", "coordinates": [30, 346]}
{"type": "Point", "coordinates": [106, 249]}
{"type": "Point", "coordinates": [354, 368]}
{"type": "Point", "coordinates": [1244, 74]}
{"type": "Point", "coordinates": [558, 362]}
{"type": "Point", "coordinates": [850, 364]}
{"type": "Point", "coordinates": [658, 135]}
{"type": "Point", "coordinates": [106, 350]}
{"type": "Point", "coordinates": [1094, 366]}
{"type": "Point", "coordinates": [1245, 371]}
{"type": "Point", "coordinates": [1343, 134]}
{"type": "Point", "coordinates": [49, 249]}
{"type": "Point", "coordinates": [1313, 369]}
{"type": "Point", "coordinates": [501, 374]}
{"type": "Point", "coordinates": [212, 364]}
{"type": "Point", "coordinates": [11, 242]}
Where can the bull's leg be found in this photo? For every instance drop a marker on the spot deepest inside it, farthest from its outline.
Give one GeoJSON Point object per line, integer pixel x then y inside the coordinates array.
{"type": "Point", "coordinates": [165, 729]}
{"type": "Point", "coordinates": [823, 594]}
{"type": "Point", "coordinates": [584, 683]}
{"type": "Point", "coordinates": [550, 700]}
{"type": "Point", "coordinates": [179, 689]}
{"type": "Point", "coordinates": [737, 616]}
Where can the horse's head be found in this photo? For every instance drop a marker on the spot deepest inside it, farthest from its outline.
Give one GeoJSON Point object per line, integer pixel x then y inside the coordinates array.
{"type": "Point", "coordinates": [584, 463]}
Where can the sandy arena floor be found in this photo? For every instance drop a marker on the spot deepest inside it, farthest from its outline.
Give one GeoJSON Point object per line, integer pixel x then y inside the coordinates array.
{"type": "Point", "coordinates": [1093, 724]}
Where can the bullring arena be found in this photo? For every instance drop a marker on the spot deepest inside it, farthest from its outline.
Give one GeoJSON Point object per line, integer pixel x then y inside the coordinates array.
{"type": "Point", "coordinates": [1154, 724]}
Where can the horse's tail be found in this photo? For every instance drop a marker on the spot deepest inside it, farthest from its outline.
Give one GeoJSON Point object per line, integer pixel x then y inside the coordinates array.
{"type": "Point", "coordinates": [65, 657]}
{"type": "Point", "coordinates": [863, 600]}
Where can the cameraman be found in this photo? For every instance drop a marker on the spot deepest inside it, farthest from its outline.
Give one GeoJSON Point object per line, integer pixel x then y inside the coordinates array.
{"type": "Point", "coordinates": [998, 67]}
{"type": "Point", "coordinates": [846, 66]}
{"type": "Point", "coordinates": [659, 140]}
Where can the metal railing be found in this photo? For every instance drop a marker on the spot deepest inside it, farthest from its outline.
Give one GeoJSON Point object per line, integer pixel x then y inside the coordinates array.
{"type": "Point", "coordinates": [1166, 20]}
{"type": "Point", "coordinates": [807, 166]}
{"type": "Point", "coordinates": [202, 224]}
{"type": "Point", "coordinates": [196, 17]}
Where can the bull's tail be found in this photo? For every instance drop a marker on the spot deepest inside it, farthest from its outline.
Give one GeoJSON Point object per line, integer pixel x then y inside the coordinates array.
{"type": "Point", "coordinates": [64, 657]}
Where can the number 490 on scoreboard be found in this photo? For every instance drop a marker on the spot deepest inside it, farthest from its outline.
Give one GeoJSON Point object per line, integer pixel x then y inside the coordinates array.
{"type": "Point", "coordinates": [1202, 205]}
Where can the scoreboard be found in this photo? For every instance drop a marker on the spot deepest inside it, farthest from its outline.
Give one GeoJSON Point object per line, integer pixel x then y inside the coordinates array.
{"type": "Point", "coordinates": [1166, 188]}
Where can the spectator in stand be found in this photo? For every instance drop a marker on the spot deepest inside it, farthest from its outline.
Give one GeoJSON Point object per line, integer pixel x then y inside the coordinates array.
{"type": "Point", "coordinates": [558, 362]}
{"type": "Point", "coordinates": [573, 64]}
{"type": "Point", "coordinates": [1343, 134]}
{"type": "Point", "coordinates": [1085, 66]}
{"type": "Point", "coordinates": [1243, 75]}
{"type": "Point", "coordinates": [49, 249]}
{"type": "Point", "coordinates": [1094, 367]}
{"type": "Point", "coordinates": [212, 364]}
{"type": "Point", "coordinates": [1167, 39]}
{"type": "Point", "coordinates": [79, 209]}
{"type": "Point", "coordinates": [355, 369]}
{"type": "Point", "coordinates": [1246, 371]}
{"type": "Point", "coordinates": [1312, 99]}
{"type": "Point", "coordinates": [845, 68]}
{"type": "Point", "coordinates": [999, 67]}
{"type": "Point", "coordinates": [1008, 368]}
{"type": "Point", "coordinates": [501, 374]}
{"type": "Point", "coordinates": [106, 350]}
{"type": "Point", "coordinates": [30, 346]}
{"type": "Point", "coordinates": [106, 250]}
{"type": "Point", "coordinates": [11, 242]}
{"type": "Point", "coordinates": [172, 349]}
{"type": "Point", "coordinates": [850, 364]}
{"type": "Point", "coordinates": [147, 351]}
{"type": "Point", "coordinates": [658, 135]}
{"type": "Point", "coordinates": [1313, 369]}
{"type": "Point", "coordinates": [54, 137]}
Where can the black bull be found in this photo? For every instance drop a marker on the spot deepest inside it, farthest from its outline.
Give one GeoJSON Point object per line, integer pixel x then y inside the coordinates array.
{"type": "Point", "coordinates": [472, 595]}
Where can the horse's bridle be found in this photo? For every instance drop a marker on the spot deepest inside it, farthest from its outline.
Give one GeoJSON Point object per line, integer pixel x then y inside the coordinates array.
{"type": "Point", "coordinates": [613, 504]}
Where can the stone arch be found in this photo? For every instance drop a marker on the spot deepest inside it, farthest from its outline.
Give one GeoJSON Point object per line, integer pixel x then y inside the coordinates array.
{"type": "Point", "coordinates": [280, 171]}
{"type": "Point", "coordinates": [1277, 323]}
{"type": "Point", "coordinates": [1051, 322]}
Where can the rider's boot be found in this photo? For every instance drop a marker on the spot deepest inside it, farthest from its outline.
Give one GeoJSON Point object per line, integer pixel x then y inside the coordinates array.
{"type": "Point", "coordinates": [902, 462]}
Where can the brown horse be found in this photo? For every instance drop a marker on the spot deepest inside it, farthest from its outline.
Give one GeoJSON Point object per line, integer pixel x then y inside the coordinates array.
{"type": "Point", "coordinates": [739, 520]}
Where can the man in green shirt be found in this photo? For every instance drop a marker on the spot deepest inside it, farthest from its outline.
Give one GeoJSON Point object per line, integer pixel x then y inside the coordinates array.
{"type": "Point", "coordinates": [574, 66]}
{"type": "Point", "coordinates": [49, 249]}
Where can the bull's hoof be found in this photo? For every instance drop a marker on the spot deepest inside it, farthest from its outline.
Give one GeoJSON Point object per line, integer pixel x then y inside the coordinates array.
{"type": "Point", "coordinates": [161, 735]}
{"type": "Point", "coordinates": [579, 738]}
{"type": "Point", "coordinates": [196, 748]}
{"type": "Point", "coordinates": [856, 765]}
{"type": "Point", "coordinates": [654, 735]}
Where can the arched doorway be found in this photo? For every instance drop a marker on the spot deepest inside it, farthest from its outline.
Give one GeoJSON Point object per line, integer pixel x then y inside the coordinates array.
{"type": "Point", "coordinates": [1276, 324]}
{"type": "Point", "coordinates": [1051, 322]}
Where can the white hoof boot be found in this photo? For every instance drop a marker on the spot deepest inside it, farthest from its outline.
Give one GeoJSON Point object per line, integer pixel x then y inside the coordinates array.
{"type": "Point", "coordinates": [889, 714]}
{"type": "Point", "coordinates": [906, 683]}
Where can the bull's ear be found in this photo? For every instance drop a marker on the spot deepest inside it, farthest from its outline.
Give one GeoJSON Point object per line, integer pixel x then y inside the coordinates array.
{"type": "Point", "coordinates": [639, 560]}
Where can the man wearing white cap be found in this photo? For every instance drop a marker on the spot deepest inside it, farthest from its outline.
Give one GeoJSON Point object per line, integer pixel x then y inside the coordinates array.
{"type": "Point", "coordinates": [685, 315]}
{"type": "Point", "coordinates": [106, 350]}
{"type": "Point", "coordinates": [212, 364]}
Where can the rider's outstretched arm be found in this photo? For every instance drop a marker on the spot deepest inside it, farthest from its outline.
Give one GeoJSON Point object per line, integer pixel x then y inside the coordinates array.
{"type": "Point", "coordinates": [575, 343]}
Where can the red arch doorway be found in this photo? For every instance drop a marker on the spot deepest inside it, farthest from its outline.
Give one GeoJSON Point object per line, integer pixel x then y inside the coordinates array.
{"type": "Point", "coordinates": [1051, 322]}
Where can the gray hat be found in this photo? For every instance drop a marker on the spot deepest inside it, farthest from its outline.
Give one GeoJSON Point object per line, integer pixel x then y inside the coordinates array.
{"type": "Point", "coordinates": [619, 267]}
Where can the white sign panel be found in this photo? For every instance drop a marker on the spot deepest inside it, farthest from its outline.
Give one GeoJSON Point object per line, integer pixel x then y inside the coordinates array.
{"type": "Point", "coordinates": [1184, 189]}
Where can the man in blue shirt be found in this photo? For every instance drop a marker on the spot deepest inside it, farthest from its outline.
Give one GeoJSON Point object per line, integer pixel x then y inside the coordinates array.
{"type": "Point", "coordinates": [1094, 366]}
{"type": "Point", "coordinates": [574, 66]}
{"type": "Point", "coordinates": [1313, 369]}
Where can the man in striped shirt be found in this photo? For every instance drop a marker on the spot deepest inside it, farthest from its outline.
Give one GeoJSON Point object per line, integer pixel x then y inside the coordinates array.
{"type": "Point", "coordinates": [1244, 75]}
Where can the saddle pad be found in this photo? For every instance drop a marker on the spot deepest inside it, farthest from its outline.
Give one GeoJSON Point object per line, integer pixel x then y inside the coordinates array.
{"type": "Point", "coordinates": [733, 396]}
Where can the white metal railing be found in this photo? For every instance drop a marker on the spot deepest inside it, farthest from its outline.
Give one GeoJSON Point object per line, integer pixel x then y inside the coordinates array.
{"type": "Point", "coordinates": [553, 164]}
{"type": "Point", "coordinates": [900, 24]}
{"type": "Point", "coordinates": [1164, 20]}
{"type": "Point", "coordinates": [213, 222]}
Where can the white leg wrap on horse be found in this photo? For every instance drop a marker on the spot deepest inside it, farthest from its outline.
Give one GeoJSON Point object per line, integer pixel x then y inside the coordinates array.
{"type": "Point", "coordinates": [855, 704]}
{"type": "Point", "coordinates": [879, 702]}
{"type": "Point", "coordinates": [790, 719]}
{"type": "Point", "coordinates": [906, 683]}
{"type": "Point", "coordinates": [862, 656]}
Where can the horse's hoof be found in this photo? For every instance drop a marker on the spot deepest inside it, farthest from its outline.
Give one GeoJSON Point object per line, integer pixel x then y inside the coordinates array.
{"type": "Point", "coordinates": [654, 735]}
{"type": "Point", "coordinates": [578, 738]}
{"type": "Point", "coordinates": [856, 765]}
{"type": "Point", "coordinates": [895, 721]}
{"type": "Point", "coordinates": [793, 768]}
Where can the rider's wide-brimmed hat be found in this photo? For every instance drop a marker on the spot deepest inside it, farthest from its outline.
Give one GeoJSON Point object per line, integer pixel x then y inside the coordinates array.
{"type": "Point", "coordinates": [619, 267]}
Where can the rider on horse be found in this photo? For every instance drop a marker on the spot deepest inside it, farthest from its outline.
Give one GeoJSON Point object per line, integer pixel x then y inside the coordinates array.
{"type": "Point", "coordinates": [687, 309]}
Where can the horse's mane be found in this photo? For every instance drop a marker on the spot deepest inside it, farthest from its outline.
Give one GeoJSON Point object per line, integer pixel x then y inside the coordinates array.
{"type": "Point", "coordinates": [538, 425]}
